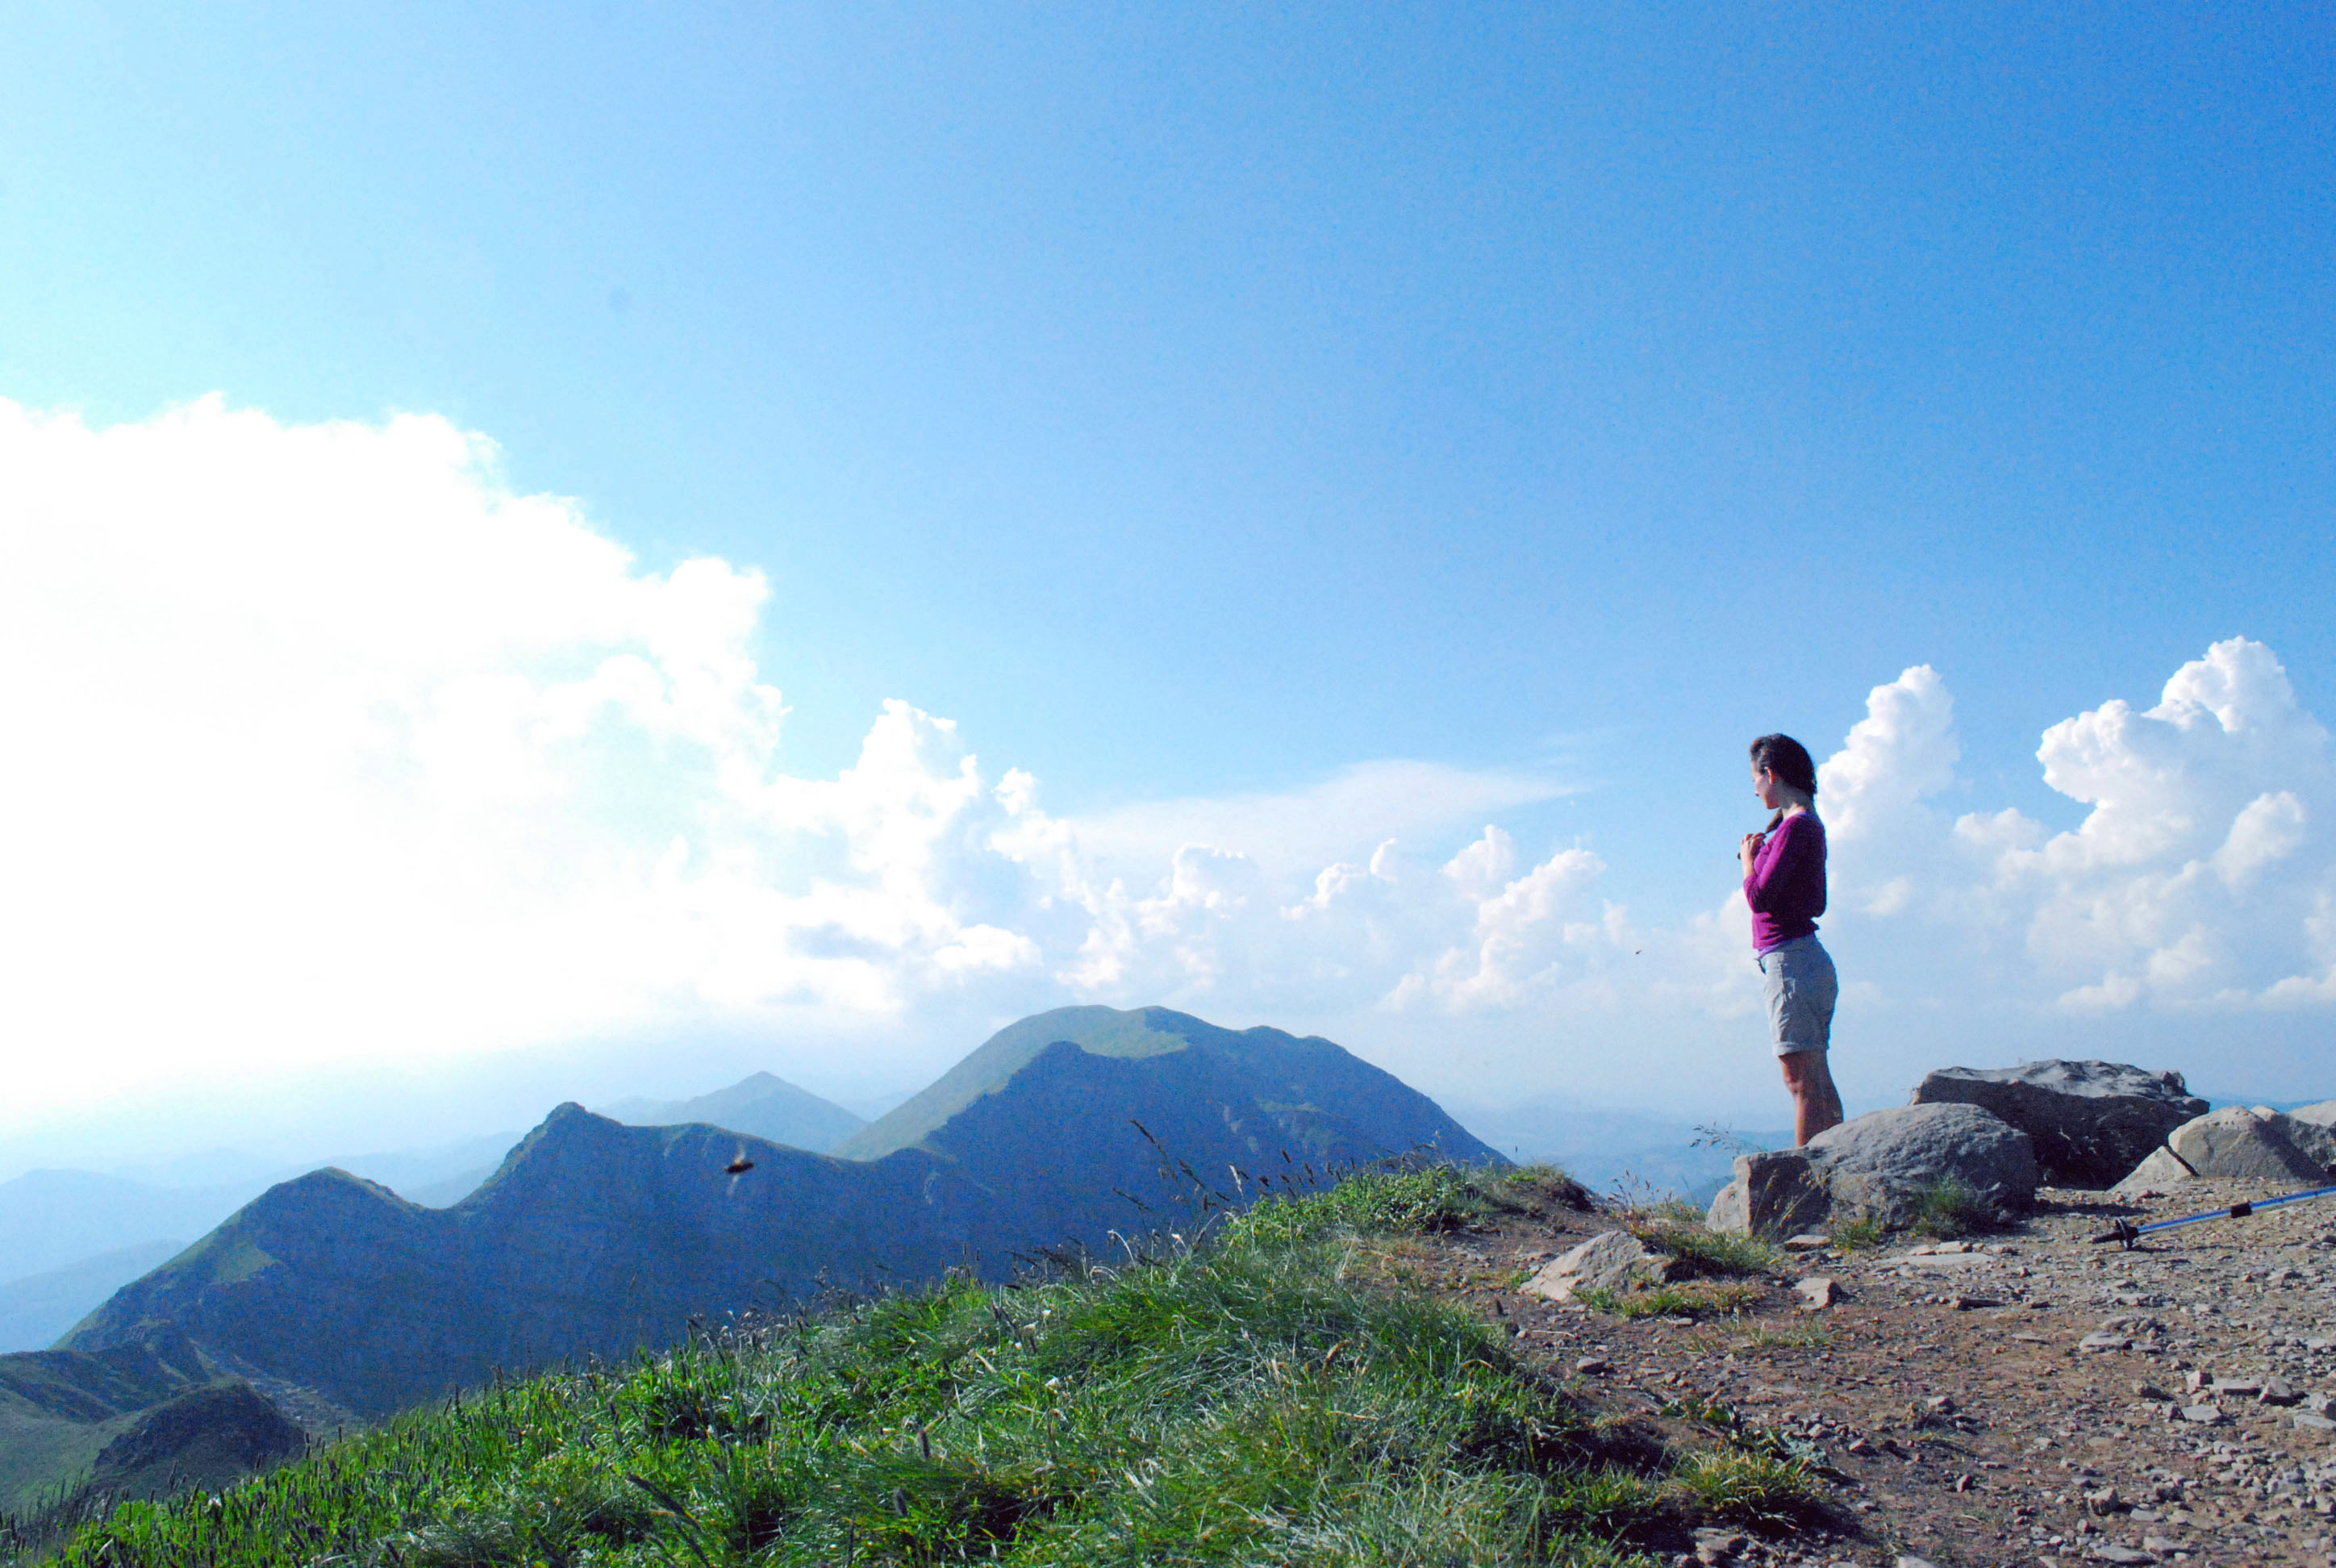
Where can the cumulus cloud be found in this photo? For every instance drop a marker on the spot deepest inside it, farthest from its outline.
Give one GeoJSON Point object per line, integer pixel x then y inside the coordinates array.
{"type": "Point", "coordinates": [325, 745]}
{"type": "Point", "coordinates": [2196, 878]}
{"type": "Point", "coordinates": [330, 745]}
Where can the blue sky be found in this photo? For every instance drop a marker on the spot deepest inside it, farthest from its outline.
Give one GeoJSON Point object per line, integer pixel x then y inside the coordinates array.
{"type": "Point", "coordinates": [1203, 403]}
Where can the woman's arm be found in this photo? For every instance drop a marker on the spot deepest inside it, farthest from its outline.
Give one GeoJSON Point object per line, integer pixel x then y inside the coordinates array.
{"type": "Point", "coordinates": [1768, 867]}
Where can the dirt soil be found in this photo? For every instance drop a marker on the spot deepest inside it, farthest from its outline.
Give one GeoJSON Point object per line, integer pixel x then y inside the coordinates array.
{"type": "Point", "coordinates": [2024, 1396]}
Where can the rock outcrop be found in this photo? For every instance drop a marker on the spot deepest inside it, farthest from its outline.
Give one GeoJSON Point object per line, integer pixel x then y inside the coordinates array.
{"type": "Point", "coordinates": [2159, 1169]}
{"type": "Point", "coordinates": [2234, 1143]}
{"type": "Point", "coordinates": [1774, 1193]}
{"type": "Point", "coordinates": [1614, 1260]}
{"type": "Point", "coordinates": [2311, 1128]}
{"type": "Point", "coordinates": [1885, 1165]}
{"type": "Point", "coordinates": [2091, 1122]}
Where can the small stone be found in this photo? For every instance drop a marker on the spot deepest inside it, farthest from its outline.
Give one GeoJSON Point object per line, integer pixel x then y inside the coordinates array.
{"type": "Point", "coordinates": [2211, 1414]}
{"type": "Point", "coordinates": [2123, 1557]}
{"type": "Point", "coordinates": [2107, 1342]}
{"type": "Point", "coordinates": [2160, 1543]}
{"type": "Point", "coordinates": [2317, 1403]}
{"type": "Point", "coordinates": [2151, 1392]}
{"type": "Point", "coordinates": [2241, 1388]}
{"type": "Point", "coordinates": [2277, 1391]}
{"type": "Point", "coordinates": [1591, 1366]}
{"type": "Point", "coordinates": [1907, 1562]}
{"type": "Point", "coordinates": [1808, 1242]}
{"type": "Point", "coordinates": [2197, 1381]}
{"type": "Point", "coordinates": [1940, 1404]}
{"type": "Point", "coordinates": [1816, 1293]}
{"type": "Point", "coordinates": [1860, 1446]}
{"type": "Point", "coordinates": [1716, 1545]}
{"type": "Point", "coordinates": [2310, 1423]}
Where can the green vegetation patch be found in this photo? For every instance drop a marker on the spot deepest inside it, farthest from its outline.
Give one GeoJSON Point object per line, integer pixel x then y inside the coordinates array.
{"type": "Point", "coordinates": [1701, 1253]}
{"type": "Point", "coordinates": [1863, 1235]}
{"type": "Point", "coordinates": [1949, 1209]}
{"type": "Point", "coordinates": [1255, 1401]}
{"type": "Point", "coordinates": [1369, 1203]}
{"type": "Point", "coordinates": [1746, 1487]}
{"type": "Point", "coordinates": [1269, 1397]}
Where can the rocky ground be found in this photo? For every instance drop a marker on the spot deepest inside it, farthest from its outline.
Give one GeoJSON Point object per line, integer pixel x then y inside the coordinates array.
{"type": "Point", "coordinates": [2023, 1397]}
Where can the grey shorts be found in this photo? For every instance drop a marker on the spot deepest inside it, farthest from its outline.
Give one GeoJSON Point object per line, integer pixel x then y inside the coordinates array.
{"type": "Point", "coordinates": [1802, 989]}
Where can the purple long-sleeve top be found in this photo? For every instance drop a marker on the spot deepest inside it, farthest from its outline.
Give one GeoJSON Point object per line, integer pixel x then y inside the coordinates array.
{"type": "Point", "coordinates": [1787, 889]}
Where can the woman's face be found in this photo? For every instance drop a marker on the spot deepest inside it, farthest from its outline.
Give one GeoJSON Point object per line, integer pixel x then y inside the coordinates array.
{"type": "Point", "coordinates": [1764, 785]}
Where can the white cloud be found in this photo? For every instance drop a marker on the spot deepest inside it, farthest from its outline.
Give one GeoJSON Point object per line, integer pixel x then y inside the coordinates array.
{"type": "Point", "coordinates": [1297, 832]}
{"type": "Point", "coordinates": [328, 746]}
{"type": "Point", "coordinates": [332, 747]}
{"type": "Point", "coordinates": [1902, 751]}
{"type": "Point", "coordinates": [2194, 879]}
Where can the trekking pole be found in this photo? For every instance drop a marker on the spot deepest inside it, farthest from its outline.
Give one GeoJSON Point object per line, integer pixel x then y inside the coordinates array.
{"type": "Point", "coordinates": [2125, 1233]}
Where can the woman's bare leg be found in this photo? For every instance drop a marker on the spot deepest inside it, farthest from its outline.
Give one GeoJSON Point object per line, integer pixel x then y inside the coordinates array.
{"type": "Point", "coordinates": [1816, 1104]}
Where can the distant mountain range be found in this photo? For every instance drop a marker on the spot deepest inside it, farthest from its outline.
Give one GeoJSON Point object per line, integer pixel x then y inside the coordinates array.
{"type": "Point", "coordinates": [35, 1309]}
{"type": "Point", "coordinates": [595, 1237]}
{"type": "Point", "coordinates": [132, 1417]}
{"type": "Point", "coordinates": [69, 1239]}
{"type": "Point", "coordinates": [762, 1105]}
{"type": "Point", "coordinates": [1610, 1149]}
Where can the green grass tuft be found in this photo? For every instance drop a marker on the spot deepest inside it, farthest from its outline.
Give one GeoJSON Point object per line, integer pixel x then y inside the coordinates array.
{"type": "Point", "coordinates": [1741, 1488]}
{"type": "Point", "coordinates": [1706, 1254]}
{"type": "Point", "coordinates": [1860, 1235]}
{"type": "Point", "coordinates": [1949, 1209]}
{"type": "Point", "coordinates": [1540, 1187]}
{"type": "Point", "coordinates": [1394, 1203]}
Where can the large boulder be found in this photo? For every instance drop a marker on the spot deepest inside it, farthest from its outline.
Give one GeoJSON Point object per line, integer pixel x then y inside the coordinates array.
{"type": "Point", "coordinates": [2091, 1122]}
{"type": "Point", "coordinates": [1779, 1192]}
{"type": "Point", "coordinates": [2237, 1144]}
{"type": "Point", "coordinates": [2159, 1169]}
{"type": "Point", "coordinates": [2311, 1128]}
{"type": "Point", "coordinates": [1882, 1164]}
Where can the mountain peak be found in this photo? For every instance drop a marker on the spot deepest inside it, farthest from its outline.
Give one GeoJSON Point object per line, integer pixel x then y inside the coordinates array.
{"type": "Point", "coordinates": [1278, 1068]}
{"type": "Point", "coordinates": [761, 1105]}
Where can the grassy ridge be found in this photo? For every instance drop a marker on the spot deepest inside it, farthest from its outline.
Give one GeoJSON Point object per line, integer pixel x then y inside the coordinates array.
{"type": "Point", "coordinates": [1254, 1401]}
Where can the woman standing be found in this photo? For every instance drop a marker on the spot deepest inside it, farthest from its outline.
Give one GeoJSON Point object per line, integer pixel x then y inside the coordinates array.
{"type": "Point", "coordinates": [1784, 884]}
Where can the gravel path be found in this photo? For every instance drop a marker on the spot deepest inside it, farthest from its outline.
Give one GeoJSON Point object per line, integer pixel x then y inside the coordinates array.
{"type": "Point", "coordinates": [2028, 1397]}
